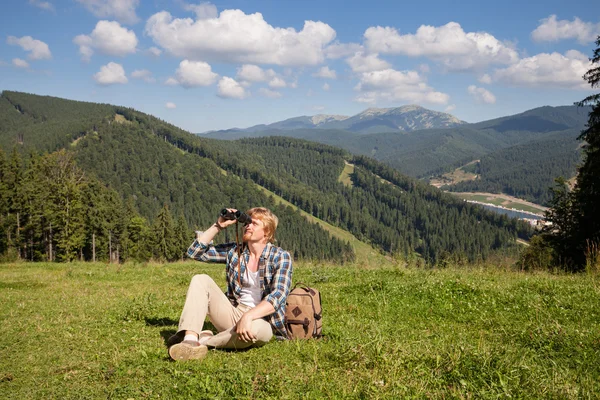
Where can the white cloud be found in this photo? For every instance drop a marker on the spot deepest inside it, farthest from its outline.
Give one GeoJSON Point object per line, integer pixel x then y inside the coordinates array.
{"type": "Point", "coordinates": [269, 93]}
{"type": "Point", "coordinates": [339, 50]}
{"type": "Point", "coordinates": [424, 68]}
{"type": "Point", "coordinates": [121, 10]}
{"type": "Point", "coordinates": [547, 70]}
{"type": "Point", "coordinates": [481, 95]}
{"type": "Point", "coordinates": [326, 87]}
{"type": "Point", "coordinates": [450, 108]}
{"type": "Point", "coordinates": [143, 74]}
{"type": "Point", "coordinates": [110, 73]}
{"type": "Point", "coordinates": [390, 85]}
{"type": "Point", "coordinates": [193, 74]}
{"type": "Point", "coordinates": [19, 63]}
{"type": "Point", "coordinates": [485, 78]}
{"type": "Point", "coordinates": [326, 73]}
{"type": "Point", "coordinates": [170, 105]}
{"type": "Point", "coordinates": [203, 10]}
{"type": "Point", "coordinates": [254, 73]}
{"type": "Point", "coordinates": [318, 108]}
{"type": "Point", "coordinates": [277, 83]}
{"type": "Point", "coordinates": [37, 49]}
{"type": "Point", "coordinates": [367, 63]}
{"type": "Point", "coordinates": [108, 37]}
{"type": "Point", "coordinates": [44, 5]}
{"type": "Point", "coordinates": [552, 30]}
{"type": "Point", "coordinates": [231, 89]}
{"type": "Point", "coordinates": [154, 51]}
{"type": "Point", "coordinates": [171, 82]}
{"type": "Point", "coordinates": [242, 39]}
{"type": "Point", "coordinates": [447, 44]}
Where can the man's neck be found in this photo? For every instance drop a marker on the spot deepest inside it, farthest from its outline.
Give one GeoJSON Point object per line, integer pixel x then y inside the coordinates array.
{"type": "Point", "coordinates": [256, 248]}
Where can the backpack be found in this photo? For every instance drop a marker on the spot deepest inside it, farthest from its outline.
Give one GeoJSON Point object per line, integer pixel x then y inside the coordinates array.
{"type": "Point", "coordinates": [303, 313]}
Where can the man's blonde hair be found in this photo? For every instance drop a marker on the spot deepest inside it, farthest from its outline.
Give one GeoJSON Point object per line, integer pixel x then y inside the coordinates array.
{"type": "Point", "coordinates": [268, 218]}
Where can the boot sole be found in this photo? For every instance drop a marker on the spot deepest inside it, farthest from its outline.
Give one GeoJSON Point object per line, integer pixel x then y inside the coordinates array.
{"type": "Point", "coordinates": [184, 352]}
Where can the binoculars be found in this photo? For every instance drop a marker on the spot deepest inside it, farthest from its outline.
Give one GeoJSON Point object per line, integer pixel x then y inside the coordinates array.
{"type": "Point", "coordinates": [241, 217]}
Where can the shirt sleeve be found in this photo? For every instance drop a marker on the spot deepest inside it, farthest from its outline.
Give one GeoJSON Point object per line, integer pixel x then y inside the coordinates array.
{"type": "Point", "coordinates": [282, 280]}
{"type": "Point", "coordinates": [209, 253]}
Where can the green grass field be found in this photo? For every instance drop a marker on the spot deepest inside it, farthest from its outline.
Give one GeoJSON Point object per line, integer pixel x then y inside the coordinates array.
{"type": "Point", "coordinates": [87, 331]}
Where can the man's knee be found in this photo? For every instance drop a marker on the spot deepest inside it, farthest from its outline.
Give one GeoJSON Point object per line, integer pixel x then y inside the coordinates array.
{"type": "Point", "coordinates": [262, 331]}
{"type": "Point", "coordinates": [201, 280]}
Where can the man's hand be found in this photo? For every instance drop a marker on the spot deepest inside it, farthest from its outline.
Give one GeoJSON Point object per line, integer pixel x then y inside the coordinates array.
{"type": "Point", "coordinates": [244, 329]}
{"type": "Point", "coordinates": [224, 223]}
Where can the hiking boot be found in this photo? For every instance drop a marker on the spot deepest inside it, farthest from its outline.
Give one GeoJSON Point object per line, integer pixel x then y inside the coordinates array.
{"type": "Point", "coordinates": [187, 350]}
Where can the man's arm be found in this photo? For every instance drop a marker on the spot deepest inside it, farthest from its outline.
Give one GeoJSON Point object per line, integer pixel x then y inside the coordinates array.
{"type": "Point", "coordinates": [201, 250]}
{"type": "Point", "coordinates": [244, 326]}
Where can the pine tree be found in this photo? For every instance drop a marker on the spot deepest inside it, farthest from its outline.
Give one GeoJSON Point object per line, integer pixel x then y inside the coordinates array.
{"type": "Point", "coordinates": [165, 239]}
{"type": "Point", "coordinates": [65, 182]}
{"type": "Point", "coordinates": [14, 182]}
{"type": "Point", "coordinates": [587, 189]}
{"type": "Point", "coordinates": [575, 216]}
{"type": "Point", "coordinates": [4, 198]}
{"type": "Point", "coordinates": [182, 235]}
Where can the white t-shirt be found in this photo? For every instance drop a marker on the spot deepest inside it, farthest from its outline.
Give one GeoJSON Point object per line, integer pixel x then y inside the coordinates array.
{"type": "Point", "coordinates": [251, 294]}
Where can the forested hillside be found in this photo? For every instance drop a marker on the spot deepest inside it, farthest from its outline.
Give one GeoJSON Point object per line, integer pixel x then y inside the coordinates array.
{"type": "Point", "coordinates": [155, 173]}
{"type": "Point", "coordinates": [160, 188]}
{"type": "Point", "coordinates": [526, 171]}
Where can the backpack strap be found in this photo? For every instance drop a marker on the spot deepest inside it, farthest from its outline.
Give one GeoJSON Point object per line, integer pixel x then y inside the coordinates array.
{"type": "Point", "coordinates": [305, 287]}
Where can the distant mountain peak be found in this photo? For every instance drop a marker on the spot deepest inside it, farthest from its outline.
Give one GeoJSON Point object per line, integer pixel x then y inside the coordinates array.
{"type": "Point", "coordinates": [372, 120]}
{"type": "Point", "coordinates": [322, 118]}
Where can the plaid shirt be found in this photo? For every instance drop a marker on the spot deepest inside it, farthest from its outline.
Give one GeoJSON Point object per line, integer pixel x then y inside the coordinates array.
{"type": "Point", "coordinates": [275, 275]}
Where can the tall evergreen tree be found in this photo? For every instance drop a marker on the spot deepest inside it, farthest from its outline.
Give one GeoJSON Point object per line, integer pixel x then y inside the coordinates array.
{"type": "Point", "coordinates": [65, 181]}
{"type": "Point", "coordinates": [587, 190]}
{"type": "Point", "coordinates": [576, 215]}
{"type": "Point", "coordinates": [165, 238]}
{"type": "Point", "coordinates": [182, 236]}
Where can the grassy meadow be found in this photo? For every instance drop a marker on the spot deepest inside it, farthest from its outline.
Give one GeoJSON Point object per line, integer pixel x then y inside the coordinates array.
{"type": "Point", "coordinates": [90, 331]}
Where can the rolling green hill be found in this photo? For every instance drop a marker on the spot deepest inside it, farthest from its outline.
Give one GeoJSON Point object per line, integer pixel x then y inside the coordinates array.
{"type": "Point", "coordinates": [150, 163]}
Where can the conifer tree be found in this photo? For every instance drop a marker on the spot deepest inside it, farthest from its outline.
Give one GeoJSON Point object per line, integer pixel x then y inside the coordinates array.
{"type": "Point", "coordinates": [14, 181]}
{"type": "Point", "coordinates": [587, 189]}
{"type": "Point", "coordinates": [165, 239]}
{"type": "Point", "coordinates": [4, 198]}
{"type": "Point", "coordinates": [182, 236]}
{"type": "Point", "coordinates": [575, 216]}
{"type": "Point", "coordinates": [65, 183]}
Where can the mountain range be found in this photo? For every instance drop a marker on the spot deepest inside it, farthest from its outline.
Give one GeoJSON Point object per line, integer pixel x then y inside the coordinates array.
{"type": "Point", "coordinates": [426, 153]}
{"type": "Point", "coordinates": [372, 120]}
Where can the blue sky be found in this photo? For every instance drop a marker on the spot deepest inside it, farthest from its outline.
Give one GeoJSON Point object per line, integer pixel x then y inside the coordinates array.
{"type": "Point", "coordinates": [236, 63]}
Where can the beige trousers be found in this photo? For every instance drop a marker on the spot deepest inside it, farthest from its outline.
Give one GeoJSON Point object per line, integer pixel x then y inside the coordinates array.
{"type": "Point", "coordinates": [204, 297]}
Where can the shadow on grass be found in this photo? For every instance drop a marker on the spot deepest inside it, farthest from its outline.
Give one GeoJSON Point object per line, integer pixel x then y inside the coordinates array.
{"type": "Point", "coordinates": [160, 321]}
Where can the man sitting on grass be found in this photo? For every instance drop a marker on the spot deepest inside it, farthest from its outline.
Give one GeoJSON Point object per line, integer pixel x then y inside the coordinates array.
{"type": "Point", "coordinates": [259, 276]}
